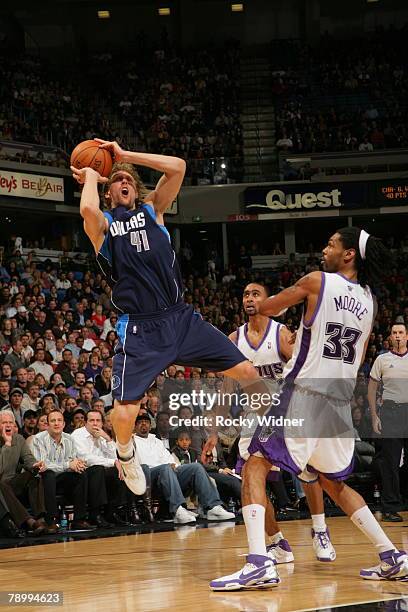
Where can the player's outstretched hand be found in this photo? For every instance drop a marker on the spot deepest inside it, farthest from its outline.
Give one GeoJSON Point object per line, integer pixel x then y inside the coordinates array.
{"type": "Point", "coordinates": [113, 147]}
{"type": "Point", "coordinates": [81, 174]}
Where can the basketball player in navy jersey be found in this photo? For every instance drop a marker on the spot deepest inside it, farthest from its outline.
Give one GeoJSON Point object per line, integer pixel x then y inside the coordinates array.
{"type": "Point", "coordinates": [269, 345]}
{"type": "Point", "coordinates": [155, 326]}
{"type": "Point", "coordinates": [331, 343]}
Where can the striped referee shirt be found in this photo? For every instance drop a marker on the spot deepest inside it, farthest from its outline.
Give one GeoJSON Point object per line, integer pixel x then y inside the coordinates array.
{"type": "Point", "coordinates": [392, 370]}
{"type": "Point", "coordinates": [56, 456]}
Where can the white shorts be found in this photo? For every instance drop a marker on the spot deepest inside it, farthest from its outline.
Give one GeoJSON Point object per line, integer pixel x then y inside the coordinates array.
{"type": "Point", "coordinates": [323, 442]}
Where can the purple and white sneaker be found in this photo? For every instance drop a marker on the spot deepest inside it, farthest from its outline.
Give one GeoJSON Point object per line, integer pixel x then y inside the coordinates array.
{"type": "Point", "coordinates": [322, 545]}
{"type": "Point", "coordinates": [280, 552]}
{"type": "Point", "coordinates": [259, 572]}
{"type": "Point", "coordinates": [393, 566]}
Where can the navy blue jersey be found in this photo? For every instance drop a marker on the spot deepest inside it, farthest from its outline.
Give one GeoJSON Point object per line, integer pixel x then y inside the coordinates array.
{"type": "Point", "coordinates": [139, 263]}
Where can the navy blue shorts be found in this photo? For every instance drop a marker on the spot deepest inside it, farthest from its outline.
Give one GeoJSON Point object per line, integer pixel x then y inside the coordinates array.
{"type": "Point", "coordinates": [147, 345]}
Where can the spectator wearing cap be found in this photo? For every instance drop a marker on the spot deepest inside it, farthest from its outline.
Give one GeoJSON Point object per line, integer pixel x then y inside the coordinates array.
{"type": "Point", "coordinates": [30, 419]}
{"type": "Point", "coordinates": [40, 366]}
{"type": "Point", "coordinates": [4, 393]}
{"type": "Point", "coordinates": [175, 481]}
{"type": "Point", "coordinates": [60, 390]}
{"type": "Point", "coordinates": [15, 452]}
{"type": "Point", "coordinates": [15, 358]}
{"type": "Point", "coordinates": [16, 397]}
{"type": "Point", "coordinates": [31, 399]}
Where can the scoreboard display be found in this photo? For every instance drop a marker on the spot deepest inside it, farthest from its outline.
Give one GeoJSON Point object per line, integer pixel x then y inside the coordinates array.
{"type": "Point", "coordinates": [392, 192]}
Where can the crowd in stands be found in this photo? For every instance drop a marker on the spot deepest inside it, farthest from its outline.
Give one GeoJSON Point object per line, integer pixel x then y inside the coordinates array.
{"type": "Point", "coordinates": [167, 100]}
{"type": "Point", "coordinates": [57, 338]}
{"type": "Point", "coordinates": [331, 100]}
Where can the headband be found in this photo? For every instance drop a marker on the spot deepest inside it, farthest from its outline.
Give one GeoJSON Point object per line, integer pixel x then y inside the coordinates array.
{"type": "Point", "coordinates": [362, 243]}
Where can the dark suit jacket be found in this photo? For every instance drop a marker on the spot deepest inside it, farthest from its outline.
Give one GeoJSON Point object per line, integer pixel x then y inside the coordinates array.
{"type": "Point", "coordinates": [11, 456]}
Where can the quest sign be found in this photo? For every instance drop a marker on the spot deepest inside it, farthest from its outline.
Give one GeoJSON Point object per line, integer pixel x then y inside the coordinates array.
{"type": "Point", "coordinates": [300, 197]}
{"type": "Point", "coordinates": [34, 186]}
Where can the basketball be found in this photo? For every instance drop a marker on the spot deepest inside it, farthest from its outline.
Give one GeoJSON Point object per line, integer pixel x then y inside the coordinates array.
{"type": "Point", "coordinates": [88, 154]}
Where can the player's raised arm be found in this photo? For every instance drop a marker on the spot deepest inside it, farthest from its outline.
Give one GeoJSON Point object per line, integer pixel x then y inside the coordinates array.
{"type": "Point", "coordinates": [173, 169]}
{"type": "Point", "coordinates": [305, 287]}
{"type": "Point", "coordinates": [95, 224]}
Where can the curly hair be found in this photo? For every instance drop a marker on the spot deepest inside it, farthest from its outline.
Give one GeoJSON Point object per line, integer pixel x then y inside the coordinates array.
{"type": "Point", "coordinates": [142, 190]}
{"type": "Point", "coordinates": [377, 264]}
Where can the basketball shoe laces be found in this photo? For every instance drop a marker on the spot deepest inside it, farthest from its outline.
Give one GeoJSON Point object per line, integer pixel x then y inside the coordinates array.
{"type": "Point", "coordinates": [324, 542]}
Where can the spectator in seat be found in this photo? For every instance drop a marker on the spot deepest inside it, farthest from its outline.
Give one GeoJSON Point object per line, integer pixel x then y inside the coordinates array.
{"type": "Point", "coordinates": [64, 470]}
{"type": "Point", "coordinates": [16, 398]}
{"type": "Point", "coordinates": [96, 447]}
{"type": "Point", "coordinates": [48, 402]}
{"type": "Point", "coordinates": [93, 369]}
{"type": "Point", "coordinates": [15, 358]}
{"type": "Point", "coordinates": [103, 381]}
{"type": "Point", "coordinates": [175, 482]}
{"type": "Point", "coordinates": [80, 380]}
{"type": "Point", "coordinates": [22, 379]}
{"type": "Point", "coordinates": [29, 423]}
{"type": "Point", "coordinates": [64, 365]}
{"type": "Point", "coordinates": [163, 429]}
{"type": "Point", "coordinates": [85, 398]}
{"type": "Point", "coordinates": [31, 399]}
{"type": "Point", "coordinates": [40, 366]}
{"type": "Point", "coordinates": [14, 452]}
{"type": "Point", "coordinates": [228, 484]}
{"type": "Point", "coordinates": [4, 393]}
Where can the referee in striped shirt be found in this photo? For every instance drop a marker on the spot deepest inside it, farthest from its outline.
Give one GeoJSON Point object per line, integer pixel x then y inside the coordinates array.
{"type": "Point", "coordinates": [391, 421]}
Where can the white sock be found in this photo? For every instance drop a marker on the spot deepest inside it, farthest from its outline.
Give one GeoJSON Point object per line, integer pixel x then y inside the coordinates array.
{"type": "Point", "coordinates": [276, 538]}
{"type": "Point", "coordinates": [319, 522]}
{"type": "Point", "coordinates": [254, 517]}
{"type": "Point", "coordinates": [125, 451]}
{"type": "Point", "coordinates": [366, 522]}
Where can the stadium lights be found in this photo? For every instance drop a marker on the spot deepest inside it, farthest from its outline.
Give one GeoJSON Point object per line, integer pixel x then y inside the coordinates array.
{"type": "Point", "coordinates": [237, 7]}
{"type": "Point", "coordinates": [163, 11]}
{"type": "Point", "coordinates": [104, 14]}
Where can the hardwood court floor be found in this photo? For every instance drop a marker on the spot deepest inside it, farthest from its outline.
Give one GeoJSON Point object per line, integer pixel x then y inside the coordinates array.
{"type": "Point", "coordinates": [171, 571]}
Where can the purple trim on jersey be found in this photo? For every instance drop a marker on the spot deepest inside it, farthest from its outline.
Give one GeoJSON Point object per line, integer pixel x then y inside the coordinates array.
{"type": "Point", "coordinates": [341, 475]}
{"type": "Point", "coordinates": [400, 354]}
{"type": "Point", "coordinates": [319, 301]}
{"type": "Point", "coordinates": [274, 448]}
{"type": "Point", "coordinates": [237, 340]}
{"type": "Point", "coordinates": [347, 279]}
{"type": "Point", "coordinates": [302, 356]}
{"type": "Point", "coordinates": [278, 328]}
{"type": "Point", "coordinates": [263, 339]}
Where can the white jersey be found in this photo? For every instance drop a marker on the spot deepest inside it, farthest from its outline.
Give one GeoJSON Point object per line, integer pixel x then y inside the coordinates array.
{"type": "Point", "coordinates": [331, 344]}
{"type": "Point", "coordinates": [267, 358]}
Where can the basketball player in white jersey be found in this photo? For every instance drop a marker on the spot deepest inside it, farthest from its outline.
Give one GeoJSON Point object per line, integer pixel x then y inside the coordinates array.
{"type": "Point", "coordinates": [319, 381]}
{"type": "Point", "coordinates": [269, 345]}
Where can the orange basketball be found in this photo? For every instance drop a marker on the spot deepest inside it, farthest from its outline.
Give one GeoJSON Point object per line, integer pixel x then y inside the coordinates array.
{"type": "Point", "coordinates": [88, 155]}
